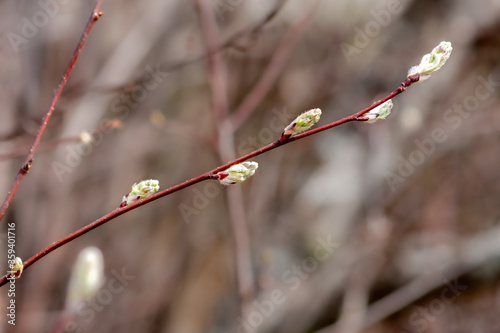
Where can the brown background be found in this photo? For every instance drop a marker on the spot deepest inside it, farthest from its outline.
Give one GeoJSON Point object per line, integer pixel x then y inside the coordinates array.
{"type": "Point", "coordinates": [400, 244]}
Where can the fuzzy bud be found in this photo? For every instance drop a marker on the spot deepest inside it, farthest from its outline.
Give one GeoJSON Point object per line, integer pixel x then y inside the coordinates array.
{"type": "Point", "coordinates": [303, 122]}
{"type": "Point", "coordinates": [86, 137]}
{"type": "Point", "coordinates": [237, 173]}
{"type": "Point", "coordinates": [16, 268]}
{"type": "Point", "coordinates": [432, 62]}
{"type": "Point", "coordinates": [141, 190]}
{"type": "Point", "coordinates": [380, 112]}
{"type": "Point", "coordinates": [87, 277]}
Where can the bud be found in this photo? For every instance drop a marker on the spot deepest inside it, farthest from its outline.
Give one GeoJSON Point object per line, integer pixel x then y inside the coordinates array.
{"type": "Point", "coordinates": [237, 173]}
{"type": "Point", "coordinates": [303, 122]}
{"type": "Point", "coordinates": [87, 277]}
{"type": "Point", "coordinates": [380, 112]}
{"type": "Point", "coordinates": [432, 62]}
{"type": "Point", "coordinates": [16, 269]}
{"type": "Point", "coordinates": [141, 190]}
{"type": "Point", "coordinates": [86, 137]}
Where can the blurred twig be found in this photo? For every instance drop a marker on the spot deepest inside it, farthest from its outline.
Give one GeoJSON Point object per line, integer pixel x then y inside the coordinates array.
{"type": "Point", "coordinates": [49, 145]}
{"type": "Point", "coordinates": [225, 144]}
{"type": "Point", "coordinates": [271, 73]}
{"type": "Point", "coordinates": [230, 42]}
{"type": "Point", "coordinates": [475, 251]}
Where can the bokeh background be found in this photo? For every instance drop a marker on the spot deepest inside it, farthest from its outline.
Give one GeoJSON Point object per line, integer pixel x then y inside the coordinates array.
{"type": "Point", "coordinates": [408, 207]}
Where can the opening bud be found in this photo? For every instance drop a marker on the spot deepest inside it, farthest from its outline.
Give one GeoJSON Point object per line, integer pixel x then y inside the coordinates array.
{"type": "Point", "coordinates": [141, 190]}
{"type": "Point", "coordinates": [380, 112]}
{"type": "Point", "coordinates": [16, 268]}
{"type": "Point", "coordinates": [432, 62]}
{"type": "Point", "coordinates": [87, 277]}
{"type": "Point", "coordinates": [237, 173]}
{"type": "Point", "coordinates": [302, 123]}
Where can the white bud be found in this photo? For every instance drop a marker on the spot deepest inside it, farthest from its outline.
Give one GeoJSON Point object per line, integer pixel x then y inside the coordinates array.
{"type": "Point", "coordinates": [141, 190]}
{"type": "Point", "coordinates": [237, 173]}
{"type": "Point", "coordinates": [86, 137]}
{"type": "Point", "coordinates": [303, 122]}
{"type": "Point", "coordinates": [16, 268]}
{"type": "Point", "coordinates": [432, 62]}
{"type": "Point", "coordinates": [87, 277]}
{"type": "Point", "coordinates": [380, 112]}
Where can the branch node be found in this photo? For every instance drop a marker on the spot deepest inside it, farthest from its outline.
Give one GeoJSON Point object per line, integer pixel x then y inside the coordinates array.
{"type": "Point", "coordinates": [284, 138]}
{"type": "Point", "coordinates": [97, 15]}
{"type": "Point", "coordinates": [362, 118]}
{"type": "Point", "coordinates": [218, 176]}
{"type": "Point", "coordinates": [410, 80]}
{"type": "Point", "coordinates": [26, 167]}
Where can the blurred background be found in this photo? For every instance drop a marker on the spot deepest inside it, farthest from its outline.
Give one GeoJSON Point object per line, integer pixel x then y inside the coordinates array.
{"type": "Point", "coordinates": [389, 227]}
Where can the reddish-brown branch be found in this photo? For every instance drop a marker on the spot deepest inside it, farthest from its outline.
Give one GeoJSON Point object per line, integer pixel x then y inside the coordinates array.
{"type": "Point", "coordinates": [406, 83]}
{"type": "Point", "coordinates": [208, 175]}
{"type": "Point", "coordinates": [23, 171]}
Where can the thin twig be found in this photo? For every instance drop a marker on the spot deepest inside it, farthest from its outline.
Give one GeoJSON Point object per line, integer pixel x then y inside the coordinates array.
{"type": "Point", "coordinates": [217, 72]}
{"type": "Point", "coordinates": [207, 175]}
{"type": "Point", "coordinates": [477, 250]}
{"type": "Point", "coordinates": [23, 171]}
{"type": "Point", "coordinates": [272, 71]}
{"type": "Point", "coordinates": [49, 145]}
{"type": "Point", "coordinates": [229, 42]}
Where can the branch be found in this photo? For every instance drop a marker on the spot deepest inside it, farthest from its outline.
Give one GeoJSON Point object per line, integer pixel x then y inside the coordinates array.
{"type": "Point", "coordinates": [23, 171]}
{"type": "Point", "coordinates": [475, 251]}
{"type": "Point", "coordinates": [49, 145]}
{"type": "Point", "coordinates": [230, 42]}
{"type": "Point", "coordinates": [209, 175]}
{"type": "Point", "coordinates": [217, 73]}
{"type": "Point", "coordinates": [272, 71]}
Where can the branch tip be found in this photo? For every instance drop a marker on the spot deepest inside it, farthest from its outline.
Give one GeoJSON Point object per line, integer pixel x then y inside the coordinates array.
{"type": "Point", "coordinates": [432, 62]}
